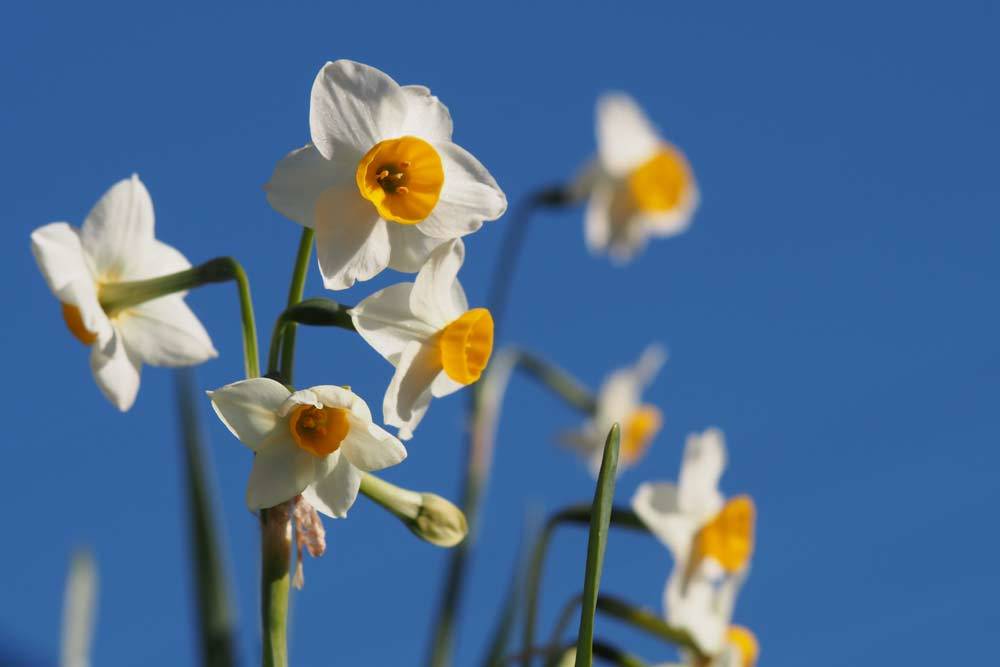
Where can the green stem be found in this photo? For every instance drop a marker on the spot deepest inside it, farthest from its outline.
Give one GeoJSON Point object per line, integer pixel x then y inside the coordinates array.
{"type": "Point", "coordinates": [121, 296]}
{"type": "Point", "coordinates": [319, 312]}
{"type": "Point", "coordinates": [275, 550]}
{"type": "Point", "coordinates": [604, 650]}
{"type": "Point", "coordinates": [295, 291]}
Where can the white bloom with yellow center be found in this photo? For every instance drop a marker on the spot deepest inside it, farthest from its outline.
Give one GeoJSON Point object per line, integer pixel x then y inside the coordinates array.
{"type": "Point", "coordinates": [620, 400]}
{"type": "Point", "coordinates": [640, 186]}
{"type": "Point", "coordinates": [711, 541]}
{"type": "Point", "coordinates": [116, 244]}
{"type": "Point", "coordinates": [381, 183]}
{"type": "Point", "coordinates": [427, 331]}
{"type": "Point", "coordinates": [313, 442]}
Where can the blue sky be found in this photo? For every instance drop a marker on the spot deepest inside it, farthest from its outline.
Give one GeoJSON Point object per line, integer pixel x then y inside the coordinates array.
{"type": "Point", "coordinates": [833, 309]}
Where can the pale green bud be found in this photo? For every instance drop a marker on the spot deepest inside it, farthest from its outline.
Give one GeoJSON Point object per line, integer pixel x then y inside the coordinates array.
{"type": "Point", "coordinates": [428, 516]}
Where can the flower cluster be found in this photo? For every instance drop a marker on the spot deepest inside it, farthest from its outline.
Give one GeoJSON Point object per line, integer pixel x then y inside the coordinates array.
{"type": "Point", "coordinates": [381, 185]}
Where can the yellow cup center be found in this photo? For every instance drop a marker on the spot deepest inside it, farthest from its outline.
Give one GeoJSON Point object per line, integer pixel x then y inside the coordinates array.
{"type": "Point", "coordinates": [402, 178]}
{"type": "Point", "coordinates": [74, 322]}
{"type": "Point", "coordinates": [318, 431]}
{"type": "Point", "coordinates": [661, 183]}
{"type": "Point", "coordinates": [466, 345]}
{"type": "Point", "coordinates": [728, 537]}
{"type": "Point", "coordinates": [640, 428]}
{"type": "Point", "coordinates": [746, 643]}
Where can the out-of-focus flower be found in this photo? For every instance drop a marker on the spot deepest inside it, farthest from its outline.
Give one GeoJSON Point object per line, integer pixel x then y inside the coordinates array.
{"type": "Point", "coordinates": [426, 330]}
{"type": "Point", "coordinates": [640, 186]}
{"type": "Point", "coordinates": [620, 400]}
{"type": "Point", "coordinates": [116, 244]}
{"type": "Point", "coordinates": [711, 541]}
{"type": "Point", "coordinates": [740, 649]}
{"type": "Point", "coordinates": [314, 441]}
{"type": "Point", "coordinates": [381, 182]}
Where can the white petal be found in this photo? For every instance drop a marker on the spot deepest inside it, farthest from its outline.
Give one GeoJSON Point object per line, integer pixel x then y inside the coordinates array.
{"type": "Point", "coordinates": [160, 259]}
{"type": "Point", "coordinates": [426, 116]}
{"type": "Point", "coordinates": [387, 323]}
{"type": "Point", "coordinates": [618, 396]}
{"type": "Point", "coordinates": [410, 247]}
{"type": "Point", "coordinates": [694, 606]}
{"type": "Point", "coordinates": [336, 487]}
{"type": "Point", "coordinates": [353, 107]}
{"type": "Point", "coordinates": [704, 461]}
{"type": "Point", "coordinates": [444, 385]}
{"type": "Point", "coordinates": [333, 396]}
{"type": "Point", "coordinates": [370, 448]}
{"type": "Point", "coordinates": [83, 295]}
{"type": "Point", "coordinates": [649, 364]}
{"type": "Point", "coordinates": [280, 472]}
{"type": "Point", "coordinates": [437, 296]}
{"type": "Point", "coordinates": [625, 137]}
{"type": "Point", "coordinates": [469, 195]}
{"type": "Point", "coordinates": [118, 230]}
{"type": "Point", "coordinates": [351, 240]}
{"type": "Point", "coordinates": [249, 409]}
{"type": "Point", "coordinates": [165, 332]}
{"type": "Point", "coordinates": [116, 371]}
{"type": "Point", "coordinates": [409, 392]}
{"type": "Point", "coordinates": [59, 254]}
{"type": "Point", "coordinates": [302, 176]}
{"type": "Point", "coordinates": [597, 219]}
{"type": "Point", "coordinates": [658, 506]}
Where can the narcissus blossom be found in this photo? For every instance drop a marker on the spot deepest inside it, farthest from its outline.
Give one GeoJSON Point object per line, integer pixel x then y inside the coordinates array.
{"type": "Point", "coordinates": [620, 400]}
{"type": "Point", "coordinates": [427, 331]}
{"type": "Point", "coordinates": [711, 540]}
{"type": "Point", "coordinates": [381, 182]}
{"type": "Point", "coordinates": [640, 185]}
{"type": "Point", "coordinates": [116, 244]}
{"type": "Point", "coordinates": [313, 442]}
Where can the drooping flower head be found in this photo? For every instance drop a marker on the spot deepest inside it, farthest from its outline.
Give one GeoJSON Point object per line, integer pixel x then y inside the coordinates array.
{"type": "Point", "coordinates": [427, 331]}
{"type": "Point", "coordinates": [640, 185]}
{"type": "Point", "coordinates": [116, 244]}
{"type": "Point", "coordinates": [314, 442]}
{"type": "Point", "coordinates": [381, 182]}
{"type": "Point", "coordinates": [711, 540]}
{"type": "Point", "coordinates": [620, 400]}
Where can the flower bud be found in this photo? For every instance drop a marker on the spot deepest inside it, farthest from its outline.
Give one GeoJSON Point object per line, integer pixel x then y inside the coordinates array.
{"type": "Point", "coordinates": [428, 516]}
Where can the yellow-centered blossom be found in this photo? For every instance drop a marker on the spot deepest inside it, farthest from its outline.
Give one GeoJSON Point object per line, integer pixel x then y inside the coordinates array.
{"type": "Point", "coordinates": [381, 182]}
{"type": "Point", "coordinates": [427, 331]}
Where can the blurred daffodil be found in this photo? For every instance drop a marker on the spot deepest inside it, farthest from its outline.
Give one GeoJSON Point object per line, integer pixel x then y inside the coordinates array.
{"type": "Point", "coordinates": [427, 331]}
{"type": "Point", "coordinates": [381, 182]}
{"type": "Point", "coordinates": [711, 540]}
{"type": "Point", "coordinates": [115, 245]}
{"type": "Point", "coordinates": [739, 649]}
{"type": "Point", "coordinates": [315, 442]}
{"type": "Point", "coordinates": [640, 186]}
{"type": "Point", "coordinates": [620, 400]}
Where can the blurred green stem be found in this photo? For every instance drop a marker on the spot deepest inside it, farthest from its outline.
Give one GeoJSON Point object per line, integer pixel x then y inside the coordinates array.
{"type": "Point", "coordinates": [120, 296]}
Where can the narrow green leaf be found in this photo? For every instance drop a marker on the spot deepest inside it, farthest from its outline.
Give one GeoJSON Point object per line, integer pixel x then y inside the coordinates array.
{"type": "Point", "coordinates": [215, 623]}
{"type": "Point", "coordinates": [600, 520]}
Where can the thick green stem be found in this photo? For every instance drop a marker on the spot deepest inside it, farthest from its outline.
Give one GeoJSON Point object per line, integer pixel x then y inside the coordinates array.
{"type": "Point", "coordinates": [318, 312]}
{"type": "Point", "coordinates": [275, 562]}
{"type": "Point", "coordinates": [295, 291]}
{"type": "Point", "coordinates": [116, 297]}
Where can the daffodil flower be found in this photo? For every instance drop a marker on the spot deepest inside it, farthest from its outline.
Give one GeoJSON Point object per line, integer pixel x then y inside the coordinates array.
{"type": "Point", "coordinates": [739, 649]}
{"type": "Point", "coordinates": [620, 401]}
{"type": "Point", "coordinates": [711, 541]}
{"type": "Point", "coordinates": [381, 182]}
{"type": "Point", "coordinates": [116, 244]}
{"type": "Point", "coordinates": [427, 331]}
{"type": "Point", "coordinates": [640, 186]}
{"type": "Point", "coordinates": [315, 442]}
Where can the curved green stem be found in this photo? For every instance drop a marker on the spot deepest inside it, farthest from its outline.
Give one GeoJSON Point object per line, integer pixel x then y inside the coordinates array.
{"type": "Point", "coordinates": [120, 296]}
{"type": "Point", "coordinates": [320, 312]}
{"type": "Point", "coordinates": [295, 291]}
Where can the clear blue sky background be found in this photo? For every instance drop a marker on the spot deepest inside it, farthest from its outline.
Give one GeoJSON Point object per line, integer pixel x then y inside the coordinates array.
{"type": "Point", "coordinates": [833, 309]}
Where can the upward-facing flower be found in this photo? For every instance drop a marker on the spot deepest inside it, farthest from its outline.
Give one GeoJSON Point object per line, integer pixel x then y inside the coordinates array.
{"type": "Point", "coordinates": [115, 245]}
{"type": "Point", "coordinates": [426, 330]}
{"type": "Point", "coordinates": [313, 442]}
{"type": "Point", "coordinates": [711, 541]}
{"type": "Point", "coordinates": [639, 186]}
{"type": "Point", "coordinates": [382, 183]}
{"type": "Point", "coordinates": [620, 400]}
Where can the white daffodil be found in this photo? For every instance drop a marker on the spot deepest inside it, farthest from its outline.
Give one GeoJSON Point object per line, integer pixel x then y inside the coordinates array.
{"type": "Point", "coordinates": [426, 330]}
{"type": "Point", "coordinates": [114, 245]}
{"type": "Point", "coordinates": [381, 182]}
{"type": "Point", "coordinates": [619, 400]}
{"type": "Point", "coordinates": [313, 442]}
{"type": "Point", "coordinates": [711, 541]}
{"type": "Point", "coordinates": [739, 649]}
{"type": "Point", "coordinates": [640, 186]}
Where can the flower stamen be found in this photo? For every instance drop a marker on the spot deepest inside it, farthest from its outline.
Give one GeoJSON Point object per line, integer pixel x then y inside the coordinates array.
{"type": "Point", "coordinates": [318, 431]}
{"type": "Point", "coordinates": [402, 177]}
